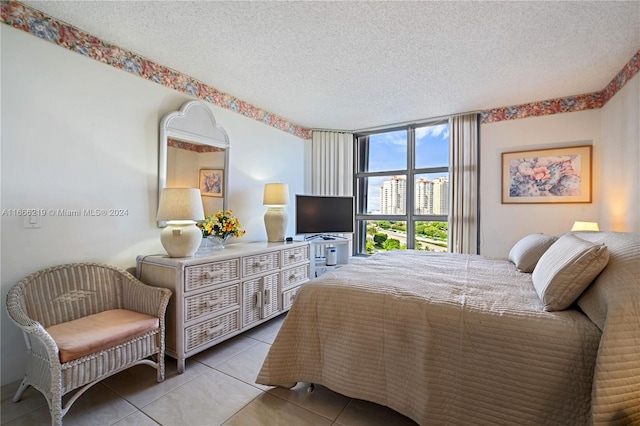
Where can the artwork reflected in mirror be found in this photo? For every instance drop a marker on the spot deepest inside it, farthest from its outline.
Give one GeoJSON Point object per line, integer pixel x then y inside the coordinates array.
{"type": "Point", "coordinates": [211, 182]}
{"type": "Point", "coordinates": [193, 165]}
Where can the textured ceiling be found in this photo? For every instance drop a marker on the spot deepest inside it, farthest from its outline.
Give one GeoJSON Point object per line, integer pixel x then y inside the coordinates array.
{"type": "Point", "coordinates": [361, 64]}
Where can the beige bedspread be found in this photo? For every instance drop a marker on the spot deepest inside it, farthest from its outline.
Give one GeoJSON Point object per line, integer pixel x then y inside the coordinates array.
{"type": "Point", "coordinates": [441, 338]}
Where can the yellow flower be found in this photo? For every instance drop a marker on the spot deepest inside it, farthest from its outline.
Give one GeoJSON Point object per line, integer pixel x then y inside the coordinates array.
{"type": "Point", "coordinates": [221, 224]}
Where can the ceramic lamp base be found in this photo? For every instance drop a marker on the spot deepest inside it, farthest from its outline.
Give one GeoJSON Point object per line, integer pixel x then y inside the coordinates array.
{"type": "Point", "coordinates": [181, 238]}
{"type": "Point", "coordinates": [275, 221]}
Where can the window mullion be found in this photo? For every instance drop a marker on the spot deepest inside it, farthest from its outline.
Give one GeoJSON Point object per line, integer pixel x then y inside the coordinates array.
{"type": "Point", "coordinates": [410, 195]}
{"type": "Point", "coordinates": [401, 172]}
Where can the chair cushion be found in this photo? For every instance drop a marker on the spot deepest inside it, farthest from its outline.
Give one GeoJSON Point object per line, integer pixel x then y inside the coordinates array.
{"type": "Point", "coordinates": [98, 332]}
{"type": "Point", "coordinates": [526, 252]}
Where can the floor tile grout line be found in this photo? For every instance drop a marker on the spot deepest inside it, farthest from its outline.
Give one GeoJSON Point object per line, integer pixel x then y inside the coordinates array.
{"type": "Point", "coordinates": [135, 412]}
{"type": "Point", "coordinates": [25, 414]}
{"type": "Point", "coordinates": [32, 389]}
{"type": "Point", "coordinates": [288, 402]}
{"type": "Point", "coordinates": [232, 356]}
{"type": "Point", "coordinates": [155, 399]}
{"type": "Point", "coordinates": [311, 411]}
{"type": "Point", "coordinates": [240, 380]}
{"type": "Point", "coordinates": [241, 408]}
{"type": "Point", "coordinates": [342, 411]}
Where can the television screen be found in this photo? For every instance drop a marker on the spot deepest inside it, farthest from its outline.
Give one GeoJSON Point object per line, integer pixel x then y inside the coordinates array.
{"type": "Point", "coordinates": [318, 214]}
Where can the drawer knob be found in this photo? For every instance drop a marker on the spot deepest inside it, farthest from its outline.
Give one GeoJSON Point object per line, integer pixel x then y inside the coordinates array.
{"type": "Point", "coordinates": [296, 256]}
{"type": "Point", "coordinates": [214, 274]}
{"type": "Point", "coordinates": [293, 277]}
{"type": "Point", "coordinates": [261, 263]}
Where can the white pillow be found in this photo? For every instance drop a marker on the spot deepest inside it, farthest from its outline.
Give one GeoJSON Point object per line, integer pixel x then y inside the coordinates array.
{"type": "Point", "coordinates": [526, 252]}
{"type": "Point", "coordinates": [566, 269]}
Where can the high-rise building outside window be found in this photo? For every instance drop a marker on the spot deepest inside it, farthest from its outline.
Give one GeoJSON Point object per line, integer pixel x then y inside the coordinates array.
{"type": "Point", "coordinates": [402, 188]}
{"type": "Point", "coordinates": [393, 196]}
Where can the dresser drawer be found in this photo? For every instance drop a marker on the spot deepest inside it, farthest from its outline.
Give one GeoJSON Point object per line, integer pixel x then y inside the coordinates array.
{"type": "Point", "coordinates": [288, 297]}
{"type": "Point", "coordinates": [265, 262]}
{"type": "Point", "coordinates": [209, 274]}
{"type": "Point", "coordinates": [294, 276]}
{"type": "Point", "coordinates": [210, 330]}
{"type": "Point", "coordinates": [295, 255]}
{"type": "Point", "coordinates": [211, 302]}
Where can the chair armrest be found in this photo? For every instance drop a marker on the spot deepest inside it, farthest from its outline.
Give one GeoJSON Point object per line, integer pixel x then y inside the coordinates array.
{"type": "Point", "coordinates": [140, 297]}
{"type": "Point", "coordinates": [36, 336]}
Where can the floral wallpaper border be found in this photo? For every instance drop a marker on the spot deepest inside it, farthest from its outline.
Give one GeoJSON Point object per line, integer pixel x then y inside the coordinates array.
{"type": "Point", "coordinates": [188, 146]}
{"type": "Point", "coordinates": [37, 23]}
{"type": "Point", "coordinates": [593, 100]}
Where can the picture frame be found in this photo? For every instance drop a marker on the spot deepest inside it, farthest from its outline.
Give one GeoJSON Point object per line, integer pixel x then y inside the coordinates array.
{"type": "Point", "coordinates": [211, 182]}
{"type": "Point", "coordinates": [555, 175]}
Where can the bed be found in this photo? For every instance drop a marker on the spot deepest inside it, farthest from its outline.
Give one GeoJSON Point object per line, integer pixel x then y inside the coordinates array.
{"type": "Point", "coordinates": [467, 339]}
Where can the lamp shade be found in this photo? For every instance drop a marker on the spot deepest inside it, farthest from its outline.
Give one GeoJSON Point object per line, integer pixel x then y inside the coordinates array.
{"type": "Point", "coordinates": [585, 226]}
{"type": "Point", "coordinates": [276, 194]}
{"type": "Point", "coordinates": [180, 204]}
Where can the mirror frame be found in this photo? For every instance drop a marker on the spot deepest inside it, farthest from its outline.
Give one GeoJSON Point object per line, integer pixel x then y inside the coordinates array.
{"type": "Point", "coordinates": [194, 122]}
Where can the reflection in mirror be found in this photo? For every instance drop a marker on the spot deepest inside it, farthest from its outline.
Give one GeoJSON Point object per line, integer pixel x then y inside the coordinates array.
{"type": "Point", "coordinates": [194, 153]}
{"type": "Point", "coordinates": [193, 165]}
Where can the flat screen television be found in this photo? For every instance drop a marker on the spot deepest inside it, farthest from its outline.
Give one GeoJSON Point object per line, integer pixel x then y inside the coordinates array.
{"type": "Point", "coordinates": [321, 214]}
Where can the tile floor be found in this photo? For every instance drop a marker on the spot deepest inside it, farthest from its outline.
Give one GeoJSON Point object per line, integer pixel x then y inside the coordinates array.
{"type": "Point", "coordinates": [217, 388]}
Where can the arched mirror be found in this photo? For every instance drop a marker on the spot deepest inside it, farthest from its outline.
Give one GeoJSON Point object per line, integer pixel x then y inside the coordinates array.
{"type": "Point", "coordinates": [194, 153]}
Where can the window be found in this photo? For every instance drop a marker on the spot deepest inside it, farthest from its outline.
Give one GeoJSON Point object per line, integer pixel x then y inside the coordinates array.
{"type": "Point", "coordinates": [402, 189]}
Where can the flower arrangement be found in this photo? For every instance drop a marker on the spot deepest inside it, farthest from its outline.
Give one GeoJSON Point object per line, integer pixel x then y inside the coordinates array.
{"type": "Point", "coordinates": [222, 224]}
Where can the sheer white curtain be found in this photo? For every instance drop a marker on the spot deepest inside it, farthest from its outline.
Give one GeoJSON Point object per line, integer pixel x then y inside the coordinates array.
{"type": "Point", "coordinates": [464, 177]}
{"type": "Point", "coordinates": [332, 163]}
{"type": "Point", "coordinates": [332, 169]}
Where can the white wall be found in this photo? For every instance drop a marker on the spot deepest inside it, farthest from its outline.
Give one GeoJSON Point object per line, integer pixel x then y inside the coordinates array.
{"type": "Point", "coordinates": [78, 134]}
{"type": "Point", "coordinates": [614, 132]}
{"type": "Point", "coordinates": [620, 207]}
{"type": "Point", "coordinates": [502, 225]}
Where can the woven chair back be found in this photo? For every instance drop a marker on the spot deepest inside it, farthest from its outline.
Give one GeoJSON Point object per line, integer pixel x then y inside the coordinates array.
{"type": "Point", "coordinates": [69, 292]}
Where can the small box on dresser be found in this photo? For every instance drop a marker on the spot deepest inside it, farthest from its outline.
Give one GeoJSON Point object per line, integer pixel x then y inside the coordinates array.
{"type": "Point", "coordinates": [220, 294]}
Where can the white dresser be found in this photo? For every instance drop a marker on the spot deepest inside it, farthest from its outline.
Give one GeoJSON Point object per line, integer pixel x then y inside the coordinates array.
{"type": "Point", "coordinates": [221, 294]}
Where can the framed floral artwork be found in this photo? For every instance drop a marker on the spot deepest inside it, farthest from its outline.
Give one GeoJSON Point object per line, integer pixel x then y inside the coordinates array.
{"type": "Point", "coordinates": [556, 175]}
{"type": "Point", "coordinates": [211, 182]}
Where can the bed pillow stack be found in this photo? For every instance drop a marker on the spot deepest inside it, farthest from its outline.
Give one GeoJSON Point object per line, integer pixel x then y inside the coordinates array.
{"type": "Point", "coordinates": [526, 252]}
{"type": "Point", "coordinates": [566, 269]}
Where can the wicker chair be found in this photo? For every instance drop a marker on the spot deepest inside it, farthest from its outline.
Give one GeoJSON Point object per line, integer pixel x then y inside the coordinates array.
{"type": "Point", "coordinates": [74, 292]}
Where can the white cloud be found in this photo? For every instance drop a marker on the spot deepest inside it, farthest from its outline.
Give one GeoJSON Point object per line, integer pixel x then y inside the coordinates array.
{"type": "Point", "coordinates": [398, 138]}
{"type": "Point", "coordinates": [440, 130]}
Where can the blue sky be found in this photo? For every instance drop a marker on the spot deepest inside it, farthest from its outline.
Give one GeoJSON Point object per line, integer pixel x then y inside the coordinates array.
{"type": "Point", "coordinates": [388, 151]}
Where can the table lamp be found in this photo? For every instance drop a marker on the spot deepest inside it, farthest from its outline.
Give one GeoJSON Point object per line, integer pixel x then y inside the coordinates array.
{"type": "Point", "coordinates": [276, 196]}
{"type": "Point", "coordinates": [181, 208]}
{"type": "Point", "coordinates": [585, 226]}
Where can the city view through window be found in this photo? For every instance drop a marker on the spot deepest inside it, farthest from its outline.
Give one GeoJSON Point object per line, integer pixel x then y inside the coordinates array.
{"type": "Point", "coordinates": [403, 183]}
